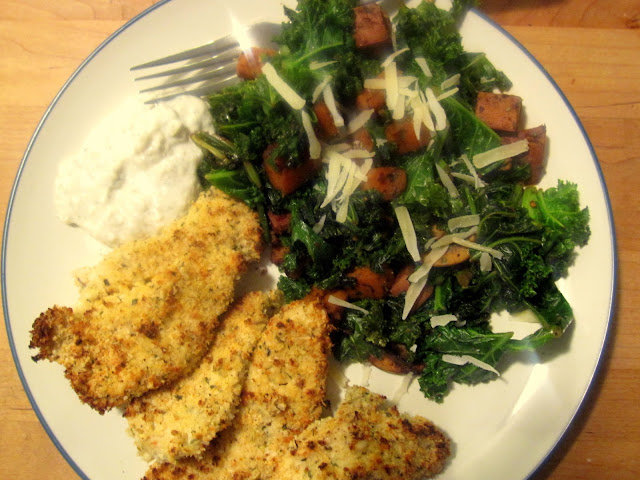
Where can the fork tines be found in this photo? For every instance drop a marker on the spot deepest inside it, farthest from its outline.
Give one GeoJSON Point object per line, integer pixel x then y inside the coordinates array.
{"type": "Point", "coordinates": [208, 67]}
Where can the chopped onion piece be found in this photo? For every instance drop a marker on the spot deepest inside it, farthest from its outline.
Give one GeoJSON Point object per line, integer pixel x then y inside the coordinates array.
{"type": "Point", "coordinates": [464, 359]}
{"type": "Point", "coordinates": [345, 304]}
{"type": "Point", "coordinates": [318, 90]}
{"type": "Point", "coordinates": [330, 100]}
{"type": "Point", "coordinates": [288, 94]}
{"type": "Point", "coordinates": [485, 262]}
{"type": "Point", "coordinates": [437, 110]}
{"type": "Point", "coordinates": [393, 56]}
{"type": "Point", "coordinates": [500, 153]}
{"type": "Point", "coordinates": [315, 149]}
{"type": "Point", "coordinates": [422, 63]}
{"type": "Point", "coordinates": [447, 182]}
{"type": "Point", "coordinates": [477, 246]}
{"type": "Point", "coordinates": [408, 232]}
{"type": "Point", "coordinates": [442, 320]}
{"type": "Point", "coordinates": [463, 221]}
{"type": "Point", "coordinates": [452, 81]}
{"type": "Point", "coordinates": [360, 120]}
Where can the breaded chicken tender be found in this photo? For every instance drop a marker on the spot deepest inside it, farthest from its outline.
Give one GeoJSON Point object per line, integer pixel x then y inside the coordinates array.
{"type": "Point", "coordinates": [147, 313]}
{"type": "Point", "coordinates": [366, 439]}
{"type": "Point", "coordinates": [283, 394]}
{"type": "Point", "coordinates": [180, 420]}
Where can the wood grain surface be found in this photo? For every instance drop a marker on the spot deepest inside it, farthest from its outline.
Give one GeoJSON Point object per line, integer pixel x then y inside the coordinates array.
{"type": "Point", "coordinates": [590, 47]}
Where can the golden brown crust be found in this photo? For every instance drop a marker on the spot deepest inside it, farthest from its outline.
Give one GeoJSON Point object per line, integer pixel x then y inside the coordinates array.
{"type": "Point", "coordinates": [181, 419]}
{"type": "Point", "coordinates": [284, 393]}
{"type": "Point", "coordinates": [147, 312]}
{"type": "Point", "coordinates": [367, 438]}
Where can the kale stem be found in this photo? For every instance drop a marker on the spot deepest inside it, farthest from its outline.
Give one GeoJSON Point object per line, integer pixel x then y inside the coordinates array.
{"type": "Point", "coordinates": [514, 239]}
{"type": "Point", "coordinates": [318, 50]}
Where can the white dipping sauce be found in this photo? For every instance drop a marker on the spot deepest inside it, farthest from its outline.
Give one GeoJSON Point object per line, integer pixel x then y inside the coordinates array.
{"type": "Point", "coordinates": [136, 171]}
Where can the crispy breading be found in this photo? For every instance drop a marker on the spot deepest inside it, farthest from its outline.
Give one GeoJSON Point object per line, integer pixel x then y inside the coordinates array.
{"type": "Point", "coordinates": [366, 439]}
{"type": "Point", "coordinates": [147, 312]}
{"type": "Point", "coordinates": [180, 420]}
{"type": "Point", "coordinates": [283, 394]}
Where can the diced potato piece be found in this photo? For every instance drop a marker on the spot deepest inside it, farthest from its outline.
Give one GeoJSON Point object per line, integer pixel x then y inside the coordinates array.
{"type": "Point", "coordinates": [389, 181]}
{"type": "Point", "coordinates": [372, 27]}
{"type": "Point", "coordinates": [499, 111]}
{"type": "Point", "coordinates": [249, 64]}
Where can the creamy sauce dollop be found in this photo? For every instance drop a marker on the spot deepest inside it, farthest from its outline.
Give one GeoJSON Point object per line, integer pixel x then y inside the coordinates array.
{"type": "Point", "coordinates": [136, 171]}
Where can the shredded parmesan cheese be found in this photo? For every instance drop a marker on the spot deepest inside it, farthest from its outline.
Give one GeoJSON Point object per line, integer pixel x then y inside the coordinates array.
{"type": "Point", "coordinates": [329, 99]}
{"type": "Point", "coordinates": [464, 221]}
{"type": "Point", "coordinates": [288, 94]}
{"type": "Point", "coordinates": [442, 320]}
{"type": "Point", "coordinates": [478, 182]}
{"type": "Point", "coordinates": [392, 57]}
{"type": "Point", "coordinates": [427, 263]}
{"type": "Point", "coordinates": [320, 224]}
{"type": "Point", "coordinates": [485, 262]}
{"type": "Point", "coordinates": [452, 81]}
{"type": "Point", "coordinates": [345, 304]}
{"type": "Point", "coordinates": [391, 85]}
{"type": "Point", "coordinates": [464, 359]}
{"type": "Point", "coordinates": [477, 246]}
{"type": "Point", "coordinates": [315, 149]}
{"type": "Point", "coordinates": [422, 63]}
{"type": "Point", "coordinates": [447, 182]}
{"type": "Point", "coordinates": [413, 292]}
{"type": "Point", "coordinates": [437, 110]}
{"type": "Point", "coordinates": [318, 90]}
{"type": "Point", "coordinates": [402, 389]}
{"type": "Point", "coordinates": [360, 120]}
{"type": "Point", "coordinates": [408, 232]}
{"type": "Point", "coordinates": [500, 153]}
{"type": "Point", "coordinates": [318, 65]}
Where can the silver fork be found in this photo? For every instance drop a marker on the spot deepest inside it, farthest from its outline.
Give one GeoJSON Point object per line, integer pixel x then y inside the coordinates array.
{"type": "Point", "coordinates": [208, 68]}
{"type": "Point", "coordinates": [204, 69]}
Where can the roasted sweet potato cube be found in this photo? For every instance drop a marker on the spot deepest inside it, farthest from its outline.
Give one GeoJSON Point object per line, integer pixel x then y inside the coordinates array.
{"type": "Point", "coordinates": [404, 136]}
{"type": "Point", "coordinates": [537, 138]}
{"type": "Point", "coordinates": [535, 157]}
{"type": "Point", "coordinates": [288, 179]}
{"type": "Point", "coordinates": [389, 181]}
{"type": "Point", "coordinates": [372, 27]}
{"type": "Point", "coordinates": [368, 99]}
{"type": "Point", "coordinates": [249, 64]}
{"type": "Point", "coordinates": [362, 139]}
{"type": "Point", "coordinates": [499, 111]}
{"type": "Point", "coordinates": [369, 284]}
{"type": "Point", "coordinates": [326, 125]}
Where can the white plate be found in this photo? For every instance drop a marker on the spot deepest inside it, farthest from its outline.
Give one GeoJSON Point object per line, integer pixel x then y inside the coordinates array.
{"type": "Point", "coordinates": [501, 430]}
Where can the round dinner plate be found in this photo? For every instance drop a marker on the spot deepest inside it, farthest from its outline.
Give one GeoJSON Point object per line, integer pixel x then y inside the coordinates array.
{"type": "Point", "coordinates": [501, 430]}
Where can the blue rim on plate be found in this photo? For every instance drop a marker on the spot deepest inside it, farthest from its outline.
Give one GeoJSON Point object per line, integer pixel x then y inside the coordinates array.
{"type": "Point", "coordinates": [612, 293]}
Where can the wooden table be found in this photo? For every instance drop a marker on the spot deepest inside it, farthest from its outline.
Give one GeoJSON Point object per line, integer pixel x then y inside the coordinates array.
{"type": "Point", "coordinates": [591, 48]}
